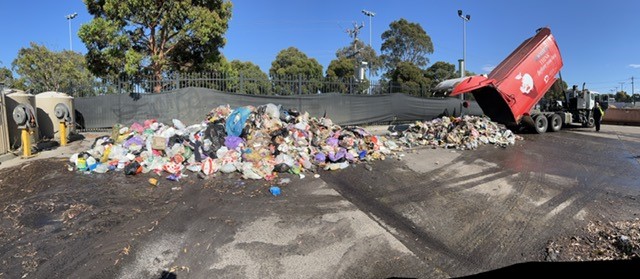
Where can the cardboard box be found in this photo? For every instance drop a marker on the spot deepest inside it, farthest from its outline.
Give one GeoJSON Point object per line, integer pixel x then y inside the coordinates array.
{"type": "Point", "coordinates": [159, 143]}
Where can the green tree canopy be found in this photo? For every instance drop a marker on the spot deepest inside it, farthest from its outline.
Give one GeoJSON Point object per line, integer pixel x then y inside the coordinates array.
{"type": "Point", "coordinates": [6, 76]}
{"type": "Point", "coordinates": [556, 92]}
{"type": "Point", "coordinates": [290, 67]}
{"type": "Point", "coordinates": [622, 96]}
{"type": "Point", "coordinates": [409, 78]}
{"type": "Point", "coordinates": [341, 77]}
{"type": "Point", "coordinates": [439, 72]}
{"type": "Point", "coordinates": [44, 70]}
{"type": "Point", "coordinates": [358, 51]}
{"type": "Point", "coordinates": [405, 42]}
{"type": "Point", "coordinates": [141, 37]}
{"type": "Point", "coordinates": [254, 80]}
{"type": "Point", "coordinates": [293, 62]}
{"type": "Point", "coordinates": [341, 68]}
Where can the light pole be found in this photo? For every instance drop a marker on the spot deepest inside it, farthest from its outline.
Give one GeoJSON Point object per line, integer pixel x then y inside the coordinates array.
{"type": "Point", "coordinates": [463, 61]}
{"type": "Point", "coordinates": [464, 42]}
{"type": "Point", "coordinates": [370, 15]}
{"type": "Point", "coordinates": [69, 18]}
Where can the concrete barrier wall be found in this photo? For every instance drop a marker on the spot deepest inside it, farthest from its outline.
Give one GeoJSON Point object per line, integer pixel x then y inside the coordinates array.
{"type": "Point", "coordinates": [622, 116]}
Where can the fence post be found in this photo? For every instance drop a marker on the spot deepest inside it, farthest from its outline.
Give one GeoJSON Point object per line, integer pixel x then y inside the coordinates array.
{"type": "Point", "coordinates": [350, 85]}
{"type": "Point", "coordinates": [241, 83]}
{"type": "Point", "coordinates": [177, 77]}
{"type": "Point", "coordinates": [299, 84]}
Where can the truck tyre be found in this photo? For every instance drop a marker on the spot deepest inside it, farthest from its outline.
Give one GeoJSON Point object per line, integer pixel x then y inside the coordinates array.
{"type": "Point", "coordinates": [540, 123]}
{"type": "Point", "coordinates": [589, 122]}
{"type": "Point", "coordinates": [555, 123]}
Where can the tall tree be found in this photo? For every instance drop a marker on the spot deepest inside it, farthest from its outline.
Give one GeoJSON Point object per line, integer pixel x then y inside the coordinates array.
{"type": "Point", "coordinates": [45, 70]}
{"type": "Point", "coordinates": [340, 76]}
{"type": "Point", "coordinates": [292, 72]}
{"type": "Point", "coordinates": [439, 72]}
{"type": "Point", "coordinates": [6, 76]}
{"type": "Point", "coordinates": [153, 37]}
{"type": "Point", "coordinates": [405, 42]}
{"type": "Point", "coordinates": [359, 51]}
{"type": "Point", "coordinates": [622, 96]}
{"type": "Point", "coordinates": [408, 78]}
{"type": "Point", "coordinates": [341, 68]}
{"type": "Point", "coordinates": [253, 79]}
{"type": "Point", "coordinates": [556, 92]}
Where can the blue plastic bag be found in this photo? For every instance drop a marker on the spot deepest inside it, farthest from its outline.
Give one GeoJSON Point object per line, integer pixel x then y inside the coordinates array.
{"type": "Point", "coordinates": [236, 121]}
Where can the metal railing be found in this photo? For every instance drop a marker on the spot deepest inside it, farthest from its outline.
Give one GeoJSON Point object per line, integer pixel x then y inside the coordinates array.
{"type": "Point", "coordinates": [250, 84]}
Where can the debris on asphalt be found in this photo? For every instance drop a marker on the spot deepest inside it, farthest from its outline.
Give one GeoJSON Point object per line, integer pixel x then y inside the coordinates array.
{"type": "Point", "coordinates": [464, 133]}
{"type": "Point", "coordinates": [260, 142]}
{"type": "Point", "coordinates": [275, 190]}
{"type": "Point", "coordinates": [600, 241]}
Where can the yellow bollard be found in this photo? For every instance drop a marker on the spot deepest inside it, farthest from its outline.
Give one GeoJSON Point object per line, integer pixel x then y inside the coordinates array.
{"type": "Point", "coordinates": [63, 133]}
{"type": "Point", "coordinates": [26, 144]}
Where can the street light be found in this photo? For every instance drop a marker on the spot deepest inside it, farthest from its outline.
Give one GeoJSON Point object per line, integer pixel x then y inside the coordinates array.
{"type": "Point", "coordinates": [464, 41]}
{"type": "Point", "coordinates": [69, 18]}
{"type": "Point", "coordinates": [370, 15]}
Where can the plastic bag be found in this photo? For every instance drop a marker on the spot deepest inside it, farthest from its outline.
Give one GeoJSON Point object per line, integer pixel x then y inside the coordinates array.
{"type": "Point", "coordinates": [236, 121]}
{"type": "Point", "coordinates": [132, 168]}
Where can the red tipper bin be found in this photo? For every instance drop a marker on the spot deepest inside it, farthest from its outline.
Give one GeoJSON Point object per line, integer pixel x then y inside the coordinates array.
{"type": "Point", "coordinates": [510, 91]}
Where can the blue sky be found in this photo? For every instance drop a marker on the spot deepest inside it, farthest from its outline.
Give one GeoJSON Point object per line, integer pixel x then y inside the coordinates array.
{"type": "Point", "coordinates": [599, 40]}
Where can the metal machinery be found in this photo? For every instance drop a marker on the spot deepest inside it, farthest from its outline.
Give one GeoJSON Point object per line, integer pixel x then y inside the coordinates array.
{"type": "Point", "coordinates": [25, 117]}
{"type": "Point", "coordinates": [64, 116]}
{"type": "Point", "coordinates": [512, 92]}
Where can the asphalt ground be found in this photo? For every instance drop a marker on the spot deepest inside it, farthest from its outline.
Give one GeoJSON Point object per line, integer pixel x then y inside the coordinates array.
{"type": "Point", "coordinates": [433, 213]}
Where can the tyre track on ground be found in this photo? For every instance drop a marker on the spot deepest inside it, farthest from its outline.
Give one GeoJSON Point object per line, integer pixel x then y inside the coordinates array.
{"type": "Point", "coordinates": [422, 243]}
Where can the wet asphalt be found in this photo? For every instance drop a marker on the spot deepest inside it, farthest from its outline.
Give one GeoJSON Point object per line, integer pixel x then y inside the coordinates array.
{"type": "Point", "coordinates": [467, 212]}
{"type": "Point", "coordinates": [432, 213]}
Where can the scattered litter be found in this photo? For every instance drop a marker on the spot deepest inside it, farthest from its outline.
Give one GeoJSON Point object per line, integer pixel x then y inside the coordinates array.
{"type": "Point", "coordinates": [153, 181]}
{"type": "Point", "coordinates": [284, 181]}
{"type": "Point", "coordinates": [464, 133]}
{"type": "Point", "coordinates": [275, 190]}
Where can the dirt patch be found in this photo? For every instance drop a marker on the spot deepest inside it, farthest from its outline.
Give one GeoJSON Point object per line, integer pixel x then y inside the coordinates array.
{"type": "Point", "coordinates": [57, 222]}
{"type": "Point", "coordinates": [598, 242]}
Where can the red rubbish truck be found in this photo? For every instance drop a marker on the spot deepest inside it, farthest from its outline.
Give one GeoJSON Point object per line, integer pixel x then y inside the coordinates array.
{"type": "Point", "coordinates": [511, 93]}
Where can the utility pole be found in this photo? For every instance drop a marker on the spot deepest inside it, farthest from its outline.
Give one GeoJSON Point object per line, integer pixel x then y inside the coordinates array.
{"type": "Point", "coordinates": [632, 89]}
{"type": "Point", "coordinates": [621, 86]}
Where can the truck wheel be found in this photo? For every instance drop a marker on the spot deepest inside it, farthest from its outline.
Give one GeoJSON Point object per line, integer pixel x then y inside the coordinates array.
{"type": "Point", "coordinates": [555, 123]}
{"type": "Point", "coordinates": [590, 123]}
{"type": "Point", "coordinates": [540, 124]}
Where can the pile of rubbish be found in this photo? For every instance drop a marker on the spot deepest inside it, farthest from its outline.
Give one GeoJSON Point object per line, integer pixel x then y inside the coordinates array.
{"type": "Point", "coordinates": [258, 142]}
{"type": "Point", "coordinates": [464, 133]}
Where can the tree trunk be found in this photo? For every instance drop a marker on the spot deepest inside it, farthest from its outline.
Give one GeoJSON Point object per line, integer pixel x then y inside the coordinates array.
{"type": "Point", "coordinates": [157, 81]}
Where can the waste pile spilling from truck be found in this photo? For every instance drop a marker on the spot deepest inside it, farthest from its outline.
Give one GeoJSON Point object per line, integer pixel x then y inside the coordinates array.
{"type": "Point", "coordinates": [511, 93]}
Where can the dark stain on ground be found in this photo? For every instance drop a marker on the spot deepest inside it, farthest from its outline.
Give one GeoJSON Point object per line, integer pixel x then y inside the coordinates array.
{"type": "Point", "coordinates": [58, 223]}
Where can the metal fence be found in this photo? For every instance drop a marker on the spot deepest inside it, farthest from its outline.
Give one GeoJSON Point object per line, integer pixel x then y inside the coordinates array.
{"type": "Point", "coordinates": [251, 84]}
